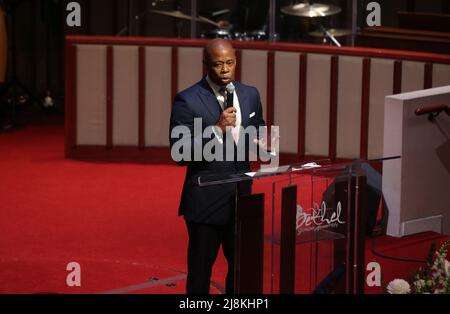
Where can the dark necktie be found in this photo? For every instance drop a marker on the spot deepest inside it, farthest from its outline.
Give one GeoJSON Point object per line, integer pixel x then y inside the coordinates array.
{"type": "Point", "coordinates": [223, 92]}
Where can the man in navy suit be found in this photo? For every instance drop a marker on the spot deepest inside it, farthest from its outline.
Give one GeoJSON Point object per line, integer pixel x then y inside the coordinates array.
{"type": "Point", "coordinates": [209, 211]}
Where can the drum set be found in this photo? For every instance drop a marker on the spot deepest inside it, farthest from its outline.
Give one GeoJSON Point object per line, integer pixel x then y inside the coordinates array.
{"type": "Point", "coordinates": [242, 36]}
{"type": "Point", "coordinates": [306, 10]}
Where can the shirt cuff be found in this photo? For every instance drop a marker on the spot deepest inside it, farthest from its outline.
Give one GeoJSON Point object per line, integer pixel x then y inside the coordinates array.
{"type": "Point", "coordinates": [218, 134]}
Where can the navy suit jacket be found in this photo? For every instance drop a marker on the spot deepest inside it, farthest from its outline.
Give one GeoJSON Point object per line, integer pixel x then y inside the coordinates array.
{"type": "Point", "coordinates": [211, 204]}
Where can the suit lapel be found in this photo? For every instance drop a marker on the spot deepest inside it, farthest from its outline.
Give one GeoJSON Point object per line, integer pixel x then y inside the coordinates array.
{"type": "Point", "coordinates": [243, 104]}
{"type": "Point", "coordinates": [209, 100]}
{"type": "Point", "coordinates": [212, 104]}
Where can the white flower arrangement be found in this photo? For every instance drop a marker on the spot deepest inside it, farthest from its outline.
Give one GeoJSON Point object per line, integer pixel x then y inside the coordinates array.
{"type": "Point", "coordinates": [433, 279]}
{"type": "Point", "coordinates": [398, 286]}
{"type": "Point", "coordinates": [447, 268]}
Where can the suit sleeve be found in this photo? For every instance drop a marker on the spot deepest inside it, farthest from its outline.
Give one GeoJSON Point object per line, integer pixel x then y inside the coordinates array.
{"type": "Point", "coordinates": [259, 110]}
{"type": "Point", "coordinates": [260, 123]}
{"type": "Point", "coordinates": [183, 117]}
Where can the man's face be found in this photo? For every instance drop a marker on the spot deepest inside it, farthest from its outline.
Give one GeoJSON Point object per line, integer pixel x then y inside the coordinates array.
{"type": "Point", "coordinates": [221, 65]}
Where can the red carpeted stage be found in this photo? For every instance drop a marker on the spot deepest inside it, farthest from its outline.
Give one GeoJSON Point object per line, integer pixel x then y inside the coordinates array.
{"type": "Point", "coordinates": [117, 220]}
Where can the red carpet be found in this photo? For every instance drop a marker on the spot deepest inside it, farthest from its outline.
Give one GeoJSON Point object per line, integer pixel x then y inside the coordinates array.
{"type": "Point", "coordinates": [113, 219]}
{"type": "Point", "coordinates": [414, 247]}
{"type": "Point", "coordinates": [118, 221]}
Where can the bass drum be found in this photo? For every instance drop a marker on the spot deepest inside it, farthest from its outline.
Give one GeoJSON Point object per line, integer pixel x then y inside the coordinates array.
{"type": "Point", "coordinates": [251, 36]}
{"type": "Point", "coordinates": [3, 46]}
{"type": "Point", "coordinates": [256, 35]}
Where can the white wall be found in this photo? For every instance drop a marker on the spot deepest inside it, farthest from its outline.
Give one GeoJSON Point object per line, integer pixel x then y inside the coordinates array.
{"type": "Point", "coordinates": [91, 95]}
{"type": "Point", "coordinates": [417, 187]}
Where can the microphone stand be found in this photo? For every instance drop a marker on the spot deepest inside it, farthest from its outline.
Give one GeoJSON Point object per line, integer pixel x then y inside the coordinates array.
{"type": "Point", "coordinates": [137, 20]}
{"type": "Point", "coordinates": [128, 28]}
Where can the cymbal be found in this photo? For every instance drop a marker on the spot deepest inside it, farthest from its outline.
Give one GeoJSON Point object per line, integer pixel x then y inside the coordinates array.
{"type": "Point", "coordinates": [180, 15]}
{"type": "Point", "coordinates": [177, 14]}
{"type": "Point", "coordinates": [208, 21]}
{"type": "Point", "coordinates": [311, 10]}
{"type": "Point", "coordinates": [333, 31]}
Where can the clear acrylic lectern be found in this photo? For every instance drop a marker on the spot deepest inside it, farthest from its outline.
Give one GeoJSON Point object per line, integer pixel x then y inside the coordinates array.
{"type": "Point", "coordinates": [301, 229]}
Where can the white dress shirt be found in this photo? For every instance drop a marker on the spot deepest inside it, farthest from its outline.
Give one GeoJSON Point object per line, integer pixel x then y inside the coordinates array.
{"type": "Point", "coordinates": [221, 99]}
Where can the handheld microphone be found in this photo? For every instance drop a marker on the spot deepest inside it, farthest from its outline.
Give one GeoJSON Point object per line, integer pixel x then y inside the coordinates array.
{"type": "Point", "coordinates": [230, 95]}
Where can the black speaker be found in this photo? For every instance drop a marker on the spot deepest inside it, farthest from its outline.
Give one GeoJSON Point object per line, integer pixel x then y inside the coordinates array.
{"type": "Point", "coordinates": [374, 195]}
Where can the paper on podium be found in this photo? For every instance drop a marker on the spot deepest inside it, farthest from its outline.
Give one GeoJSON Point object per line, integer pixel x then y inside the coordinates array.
{"type": "Point", "coordinates": [310, 165]}
{"type": "Point", "coordinates": [268, 170]}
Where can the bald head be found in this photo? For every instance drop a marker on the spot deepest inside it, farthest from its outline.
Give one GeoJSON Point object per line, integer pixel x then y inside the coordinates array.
{"type": "Point", "coordinates": [216, 46]}
{"type": "Point", "coordinates": [220, 61]}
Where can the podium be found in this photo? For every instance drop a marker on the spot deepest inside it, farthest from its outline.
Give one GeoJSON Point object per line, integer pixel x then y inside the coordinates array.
{"type": "Point", "coordinates": [301, 229]}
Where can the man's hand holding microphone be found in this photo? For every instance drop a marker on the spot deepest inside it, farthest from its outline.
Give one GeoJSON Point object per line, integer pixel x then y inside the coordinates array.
{"type": "Point", "coordinates": [228, 116]}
